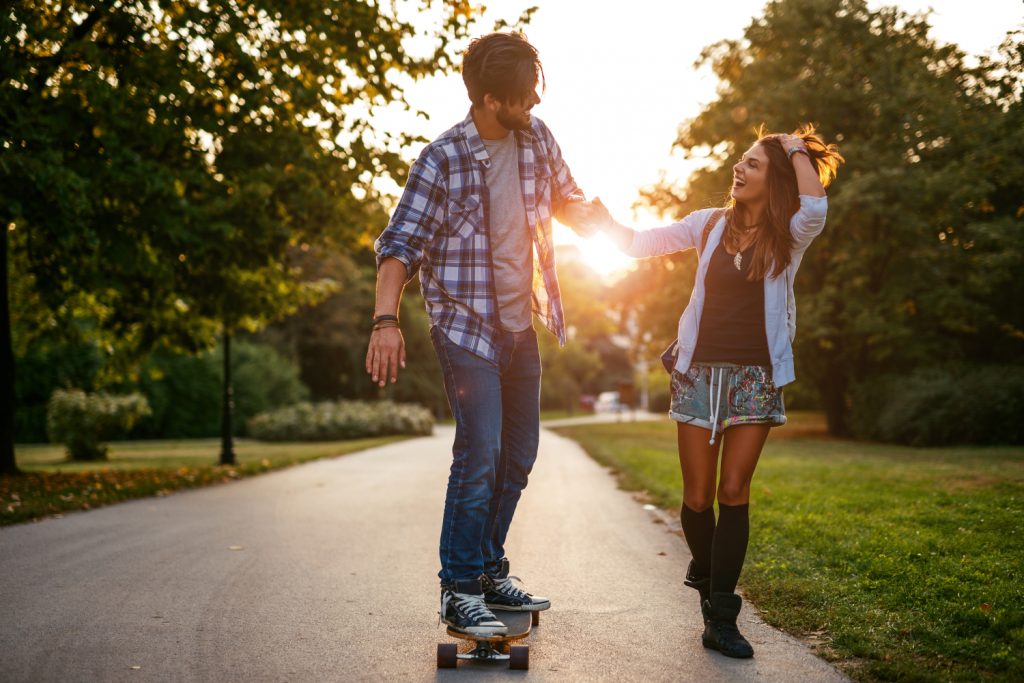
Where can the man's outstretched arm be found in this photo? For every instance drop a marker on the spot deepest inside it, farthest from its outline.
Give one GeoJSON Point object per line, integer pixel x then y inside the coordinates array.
{"type": "Point", "coordinates": [387, 346]}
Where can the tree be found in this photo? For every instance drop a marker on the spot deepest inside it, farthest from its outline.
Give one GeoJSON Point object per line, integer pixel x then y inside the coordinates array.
{"type": "Point", "coordinates": [328, 340]}
{"type": "Point", "coordinates": [899, 279]}
{"type": "Point", "coordinates": [161, 161]}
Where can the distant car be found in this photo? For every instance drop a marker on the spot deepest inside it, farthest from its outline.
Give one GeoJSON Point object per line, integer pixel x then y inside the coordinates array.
{"type": "Point", "coordinates": [608, 402]}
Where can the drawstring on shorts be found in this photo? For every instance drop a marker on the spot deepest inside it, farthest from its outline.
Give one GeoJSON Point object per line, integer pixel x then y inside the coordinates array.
{"type": "Point", "coordinates": [714, 399]}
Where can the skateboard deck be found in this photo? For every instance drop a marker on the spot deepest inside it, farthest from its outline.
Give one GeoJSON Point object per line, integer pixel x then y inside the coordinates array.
{"type": "Point", "coordinates": [493, 648]}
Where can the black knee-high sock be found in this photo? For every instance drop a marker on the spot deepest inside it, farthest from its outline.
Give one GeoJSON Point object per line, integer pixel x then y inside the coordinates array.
{"type": "Point", "coordinates": [699, 529]}
{"type": "Point", "coordinates": [729, 547]}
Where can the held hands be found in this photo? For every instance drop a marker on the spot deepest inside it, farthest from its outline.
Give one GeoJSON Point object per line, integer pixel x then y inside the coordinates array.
{"type": "Point", "coordinates": [603, 215]}
{"type": "Point", "coordinates": [585, 218]}
{"type": "Point", "coordinates": [385, 354]}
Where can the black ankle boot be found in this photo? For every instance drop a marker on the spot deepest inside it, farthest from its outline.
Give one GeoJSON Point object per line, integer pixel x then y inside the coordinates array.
{"type": "Point", "coordinates": [701, 584]}
{"type": "Point", "coordinates": [720, 632]}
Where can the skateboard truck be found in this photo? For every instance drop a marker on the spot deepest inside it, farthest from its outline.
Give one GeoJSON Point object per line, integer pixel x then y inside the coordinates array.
{"type": "Point", "coordinates": [493, 648]}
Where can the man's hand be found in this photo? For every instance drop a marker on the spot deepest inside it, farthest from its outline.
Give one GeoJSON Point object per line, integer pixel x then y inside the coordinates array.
{"type": "Point", "coordinates": [385, 355]}
{"type": "Point", "coordinates": [583, 217]}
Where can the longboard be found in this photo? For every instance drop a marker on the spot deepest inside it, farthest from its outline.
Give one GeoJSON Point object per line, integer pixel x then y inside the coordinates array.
{"type": "Point", "coordinates": [493, 648]}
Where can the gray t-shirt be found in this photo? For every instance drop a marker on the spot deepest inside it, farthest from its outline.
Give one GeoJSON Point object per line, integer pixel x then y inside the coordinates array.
{"type": "Point", "coordinates": [511, 245]}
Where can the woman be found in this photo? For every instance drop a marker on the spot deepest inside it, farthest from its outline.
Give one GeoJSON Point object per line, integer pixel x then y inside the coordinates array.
{"type": "Point", "coordinates": [735, 350]}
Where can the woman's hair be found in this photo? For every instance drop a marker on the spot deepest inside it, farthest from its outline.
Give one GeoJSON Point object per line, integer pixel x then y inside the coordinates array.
{"type": "Point", "coordinates": [502, 64]}
{"type": "Point", "coordinates": [772, 251]}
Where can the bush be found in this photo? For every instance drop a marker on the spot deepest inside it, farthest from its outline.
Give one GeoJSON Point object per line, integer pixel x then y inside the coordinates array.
{"type": "Point", "coordinates": [341, 420]}
{"type": "Point", "coordinates": [185, 391]}
{"type": "Point", "coordinates": [262, 380]}
{"type": "Point", "coordinates": [82, 421]}
{"type": "Point", "coordinates": [801, 395]}
{"type": "Point", "coordinates": [44, 368]}
{"type": "Point", "coordinates": [942, 406]}
{"type": "Point", "coordinates": [659, 400]}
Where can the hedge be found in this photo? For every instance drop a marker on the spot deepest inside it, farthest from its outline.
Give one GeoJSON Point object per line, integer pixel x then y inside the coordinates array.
{"type": "Point", "coordinates": [942, 406]}
{"type": "Point", "coordinates": [329, 421]}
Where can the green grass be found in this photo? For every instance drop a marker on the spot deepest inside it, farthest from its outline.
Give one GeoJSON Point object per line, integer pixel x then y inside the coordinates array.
{"type": "Point", "coordinates": [137, 469]}
{"type": "Point", "coordinates": [561, 414]}
{"type": "Point", "coordinates": [896, 563]}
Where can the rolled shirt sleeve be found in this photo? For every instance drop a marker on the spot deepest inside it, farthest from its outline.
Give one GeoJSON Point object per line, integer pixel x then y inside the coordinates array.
{"type": "Point", "coordinates": [808, 222]}
{"type": "Point", "coordinates": [418, 217]}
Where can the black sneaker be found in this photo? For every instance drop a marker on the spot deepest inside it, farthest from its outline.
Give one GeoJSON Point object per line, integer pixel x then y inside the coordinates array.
{"type": "Point", "coordinates": [463, 609]}
{"type": "Point", "coordinates": [502, 591]}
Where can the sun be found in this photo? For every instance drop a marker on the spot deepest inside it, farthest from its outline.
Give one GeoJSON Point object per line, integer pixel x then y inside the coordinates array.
{"type": "Point", "coordinates": [604, 257]}
{"type": "Point", "coordinates": [597, 252]}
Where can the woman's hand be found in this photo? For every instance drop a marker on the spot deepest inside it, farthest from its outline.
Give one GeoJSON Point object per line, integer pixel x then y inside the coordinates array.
{"type": "Point", "coordinates": [792, 144]}
{"type": "Point", "coordinates": [620, 234]}
{"type": "Point", "coordinates": [807, 180]}
{"type": "Point", "coordinates": [601, 216]}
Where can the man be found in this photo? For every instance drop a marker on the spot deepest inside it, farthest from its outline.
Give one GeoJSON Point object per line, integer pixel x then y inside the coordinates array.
{"type": "Point", "coordinates": [475, 220]}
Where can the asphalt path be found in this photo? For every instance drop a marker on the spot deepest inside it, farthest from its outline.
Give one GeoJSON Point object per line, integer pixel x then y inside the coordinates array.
{"type": "Point", "coordinates": [328, 572]}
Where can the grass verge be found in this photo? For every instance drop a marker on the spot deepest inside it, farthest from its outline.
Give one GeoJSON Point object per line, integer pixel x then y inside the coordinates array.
{"type": "Point", "coordinates": [137, 469]}
{"type": "Point", "coordinates": [895, 563]}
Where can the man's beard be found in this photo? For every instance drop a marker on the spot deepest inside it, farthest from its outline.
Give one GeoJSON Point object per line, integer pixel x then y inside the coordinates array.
{"type": "Point", "coordinates": [510, 122]}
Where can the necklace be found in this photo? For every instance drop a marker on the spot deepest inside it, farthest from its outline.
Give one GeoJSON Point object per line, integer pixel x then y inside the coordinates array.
{"type": "Point", "coordinates": [737, 260]}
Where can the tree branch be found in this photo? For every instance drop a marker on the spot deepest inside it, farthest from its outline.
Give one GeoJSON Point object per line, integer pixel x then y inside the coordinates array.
{"type": "Point", "coordinates": [77, 35]}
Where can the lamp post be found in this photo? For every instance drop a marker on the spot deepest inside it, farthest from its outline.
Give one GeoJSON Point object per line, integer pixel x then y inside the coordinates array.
{"type": "Point", "coordinates": [227, 443]}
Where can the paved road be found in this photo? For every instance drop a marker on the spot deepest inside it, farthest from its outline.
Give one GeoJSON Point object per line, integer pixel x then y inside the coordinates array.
{"type": "Point", "coordinates": [327, 572]}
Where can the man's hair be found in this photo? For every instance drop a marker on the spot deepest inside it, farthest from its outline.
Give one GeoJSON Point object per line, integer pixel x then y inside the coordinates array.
{"type": "Point", "coordinates": [504, 65]}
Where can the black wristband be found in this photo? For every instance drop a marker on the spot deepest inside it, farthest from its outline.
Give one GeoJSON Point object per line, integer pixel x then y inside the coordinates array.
{"type": "Point", "coordinates": [382, 318]}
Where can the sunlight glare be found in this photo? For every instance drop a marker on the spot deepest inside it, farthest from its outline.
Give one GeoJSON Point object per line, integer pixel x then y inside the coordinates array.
{"type": "Point", "coordinates": [597, 252]}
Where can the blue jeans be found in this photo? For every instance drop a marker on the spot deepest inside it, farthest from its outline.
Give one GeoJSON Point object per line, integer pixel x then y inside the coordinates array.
{"type": "Point", "coordinates": [497, 426]}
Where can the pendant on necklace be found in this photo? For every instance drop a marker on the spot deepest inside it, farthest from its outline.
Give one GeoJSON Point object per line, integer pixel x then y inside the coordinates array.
{"type": "Point", "coordinates": [737, 260]}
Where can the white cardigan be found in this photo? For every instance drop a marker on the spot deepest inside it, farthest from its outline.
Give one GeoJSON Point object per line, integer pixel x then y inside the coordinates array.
{"type": "Point", "coordinates": [779, 301]}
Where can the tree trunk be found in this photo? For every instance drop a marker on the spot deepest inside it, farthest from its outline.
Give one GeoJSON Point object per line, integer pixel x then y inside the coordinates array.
{"type": "Point", "coordinates": [7, 463]}
{"type": "Point", "coordinates": [227, 449]}
{"type": "Point", "coordinates": [833, 397]}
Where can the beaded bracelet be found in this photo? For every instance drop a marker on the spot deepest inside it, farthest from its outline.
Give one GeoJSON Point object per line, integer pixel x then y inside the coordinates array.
{"type": "Point", "coordinates": [797, 150]}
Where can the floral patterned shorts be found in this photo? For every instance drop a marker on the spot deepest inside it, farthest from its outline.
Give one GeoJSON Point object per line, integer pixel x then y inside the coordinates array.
{"type": "Point", "coordinates": [717, 396]}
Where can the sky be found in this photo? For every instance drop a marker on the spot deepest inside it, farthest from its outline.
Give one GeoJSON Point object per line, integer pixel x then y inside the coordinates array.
{"type": "Point", "coordinates": [619, 84]}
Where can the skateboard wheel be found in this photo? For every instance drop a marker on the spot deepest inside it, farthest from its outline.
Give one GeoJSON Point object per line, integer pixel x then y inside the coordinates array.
{"type": "Point", "coordinates": [534, 618]}
{"type": "Point", "coordinates": [519, 657]}
{"type": "Point", "coordinates": [447, 655]}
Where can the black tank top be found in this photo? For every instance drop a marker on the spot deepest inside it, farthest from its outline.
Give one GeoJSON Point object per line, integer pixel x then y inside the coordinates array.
{"type": "Point", "coordinates": [732, 326]}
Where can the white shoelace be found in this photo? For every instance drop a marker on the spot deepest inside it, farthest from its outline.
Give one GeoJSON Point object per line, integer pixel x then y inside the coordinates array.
{"type": "Point", "coordinates": [508, 588]}
{"type": "Point", "coordinates": [471, 605]}
{"type": "Point", "coordinates": [714, 399]}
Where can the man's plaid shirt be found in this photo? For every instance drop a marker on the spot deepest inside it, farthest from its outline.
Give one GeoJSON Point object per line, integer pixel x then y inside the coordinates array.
{"type": "Point", "coordinates": [441, 228]}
